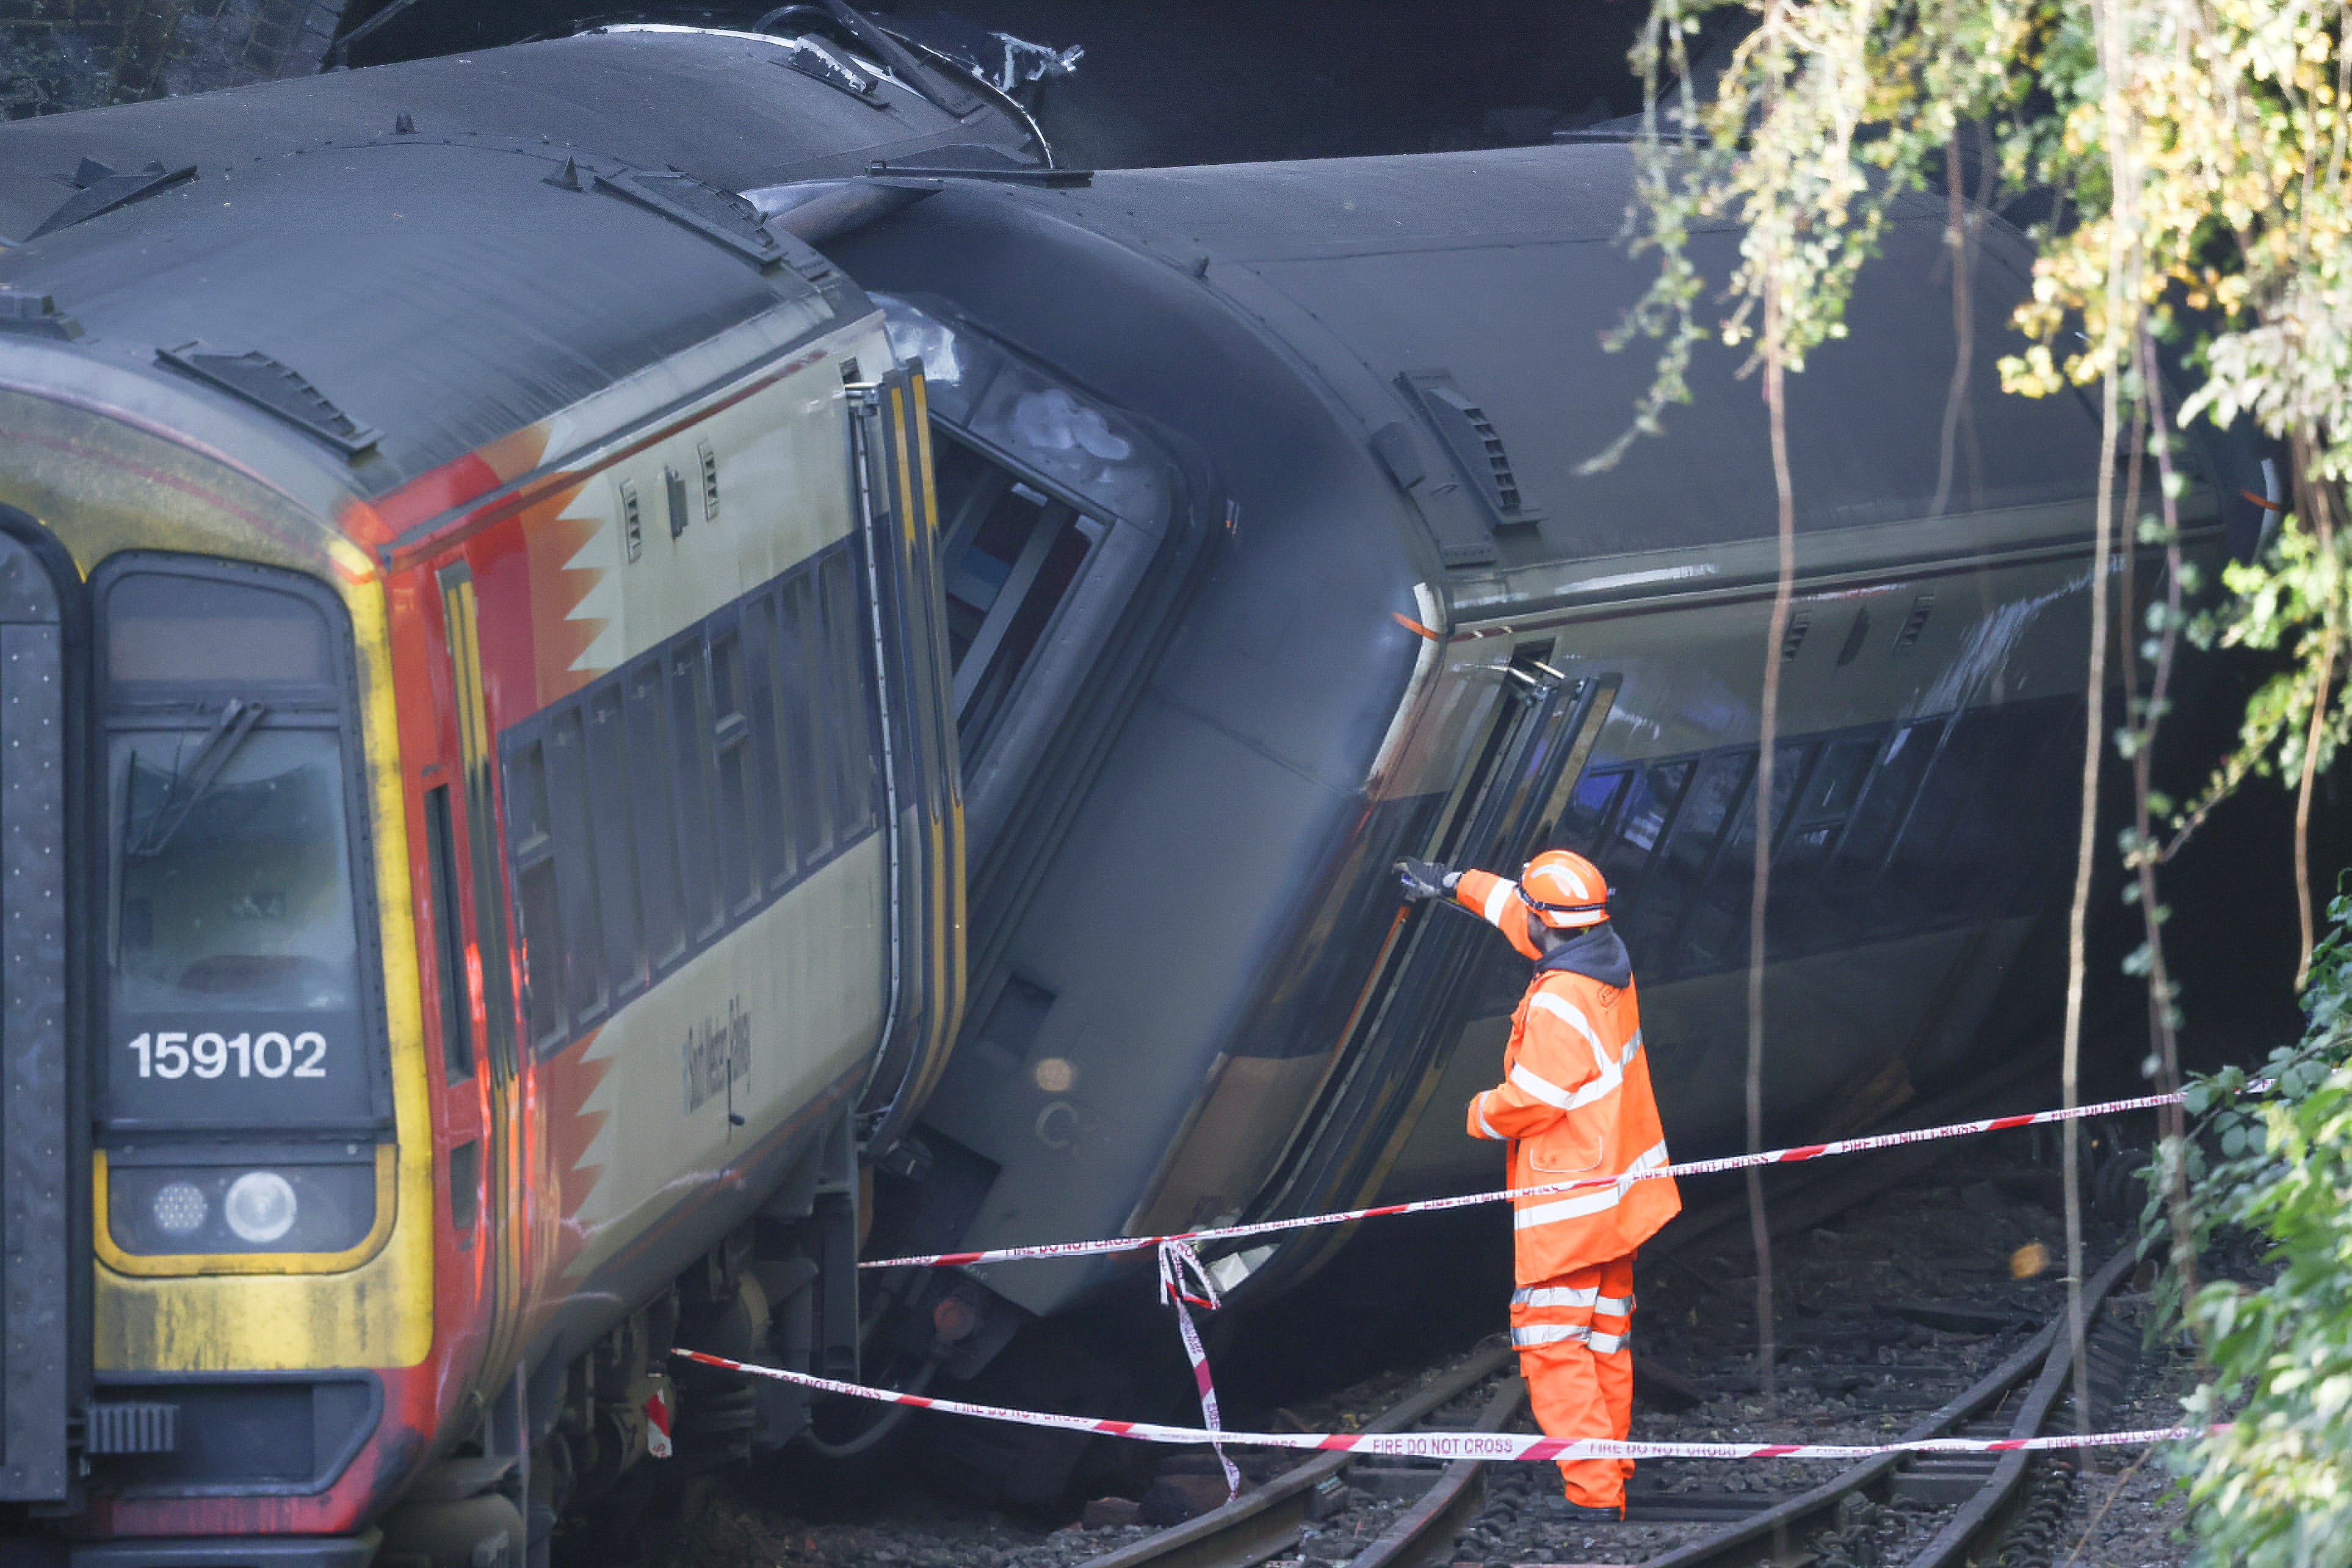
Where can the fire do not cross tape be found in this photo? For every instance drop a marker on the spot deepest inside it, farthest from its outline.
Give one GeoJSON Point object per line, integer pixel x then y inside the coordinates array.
{"type": "Point", "coordinates": [1426, 1205]}
{"type": "Point", "coordinates": [1494, 1446]}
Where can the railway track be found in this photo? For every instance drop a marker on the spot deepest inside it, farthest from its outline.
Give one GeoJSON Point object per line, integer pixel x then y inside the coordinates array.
{"type": "Point", "coordinates": [1901, 1290]}
{"type": "Point", "coordinates": [1437, 1506]}
{"type": "Point", "coordinates": [1983, 1493]}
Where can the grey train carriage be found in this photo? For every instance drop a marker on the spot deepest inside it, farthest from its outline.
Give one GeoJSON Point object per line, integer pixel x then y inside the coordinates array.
{"type": "Point", "coordinates": [1342, 407]}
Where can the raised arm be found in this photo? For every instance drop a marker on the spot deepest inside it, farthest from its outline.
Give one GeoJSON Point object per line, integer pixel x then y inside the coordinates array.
{"type": "Point", "coordinates": [1493, 898]}
{"type": "Point", "coordinates": [1496, 898]}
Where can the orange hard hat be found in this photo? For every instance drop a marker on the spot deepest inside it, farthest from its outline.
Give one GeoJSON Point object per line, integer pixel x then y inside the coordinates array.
{"type": "Point", "coordinates": [1564, 890]}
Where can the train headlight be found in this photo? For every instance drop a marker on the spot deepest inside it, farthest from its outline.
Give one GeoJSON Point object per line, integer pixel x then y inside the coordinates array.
{"type": "Point", "coordinates": [260, 1207]}
{"type": "Point", "coordinates": [320, 1202]}
{"type": "Point", "coordinates": [179, 1208]}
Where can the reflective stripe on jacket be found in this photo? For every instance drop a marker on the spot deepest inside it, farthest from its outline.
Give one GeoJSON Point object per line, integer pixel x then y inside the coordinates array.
{"type": "Point", "coordinates": [1575, 1100]}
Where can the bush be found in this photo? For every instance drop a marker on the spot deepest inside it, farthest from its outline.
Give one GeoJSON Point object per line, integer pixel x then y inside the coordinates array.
{"type": "Point", "coordinates": [2272, 1489]}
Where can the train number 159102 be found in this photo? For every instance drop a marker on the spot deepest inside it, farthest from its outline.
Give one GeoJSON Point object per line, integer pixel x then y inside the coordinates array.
{"type": "Point", "coordinates": [269, 1055]}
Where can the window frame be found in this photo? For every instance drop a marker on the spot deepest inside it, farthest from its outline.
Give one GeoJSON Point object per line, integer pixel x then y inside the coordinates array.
{"type": "Point", "coordinates": [334, 705]}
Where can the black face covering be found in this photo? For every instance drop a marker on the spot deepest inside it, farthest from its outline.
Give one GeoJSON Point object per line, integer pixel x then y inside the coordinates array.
{"type": "Point", "coordinates": [1596, 954]}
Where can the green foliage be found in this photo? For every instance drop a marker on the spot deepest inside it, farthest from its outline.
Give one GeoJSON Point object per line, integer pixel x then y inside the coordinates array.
{"type": "Point", "coordinates": [2293, 601]}
{"type": "Point", "coordinates": [2273, 1488]}
{"type": "Point", "coordinates": [2199, 155]}
{"type": "Point", "coordinates": [2196, 155]}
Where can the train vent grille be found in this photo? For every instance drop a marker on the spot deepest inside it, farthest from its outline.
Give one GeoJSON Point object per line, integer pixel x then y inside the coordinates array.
{"type": "Point", "coordinates": [711, 211]}
{"type": "Point", "coordinates": [1469, 434]}
{"type": "Point", "coordinates": [702, 449]}
{"type": "Point", "coordinates": [633, 519]}
{"type": "Point", "coordinates": [100, 190]}
{"type": "Point", "coordinates": [1499, 462]}
{"type": "Point", "coordinates": [1915, 622]}
{"type": "Point", "coordinates": [277, 388]}
{"type": "Point", "coordinates": [1795, 637]}
{"type": "Point", "coordinates": [131, 1427]}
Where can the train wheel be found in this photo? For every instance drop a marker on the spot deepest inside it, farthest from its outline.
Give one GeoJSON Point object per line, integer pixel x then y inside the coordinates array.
{"type": "Point", "coordinates": [482, 1531]}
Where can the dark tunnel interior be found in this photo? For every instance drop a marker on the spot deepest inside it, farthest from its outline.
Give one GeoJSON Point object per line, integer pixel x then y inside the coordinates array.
{"type": "Point", "coordinates": [1214, 82]}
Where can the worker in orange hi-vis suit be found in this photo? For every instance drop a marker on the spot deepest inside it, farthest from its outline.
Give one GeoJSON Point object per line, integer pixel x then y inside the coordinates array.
{"type": "Point", "coordinates": [1574, 1101]}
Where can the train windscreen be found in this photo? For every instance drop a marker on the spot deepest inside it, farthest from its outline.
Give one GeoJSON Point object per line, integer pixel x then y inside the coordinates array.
{"type": "Point", "coordinates": [241, 1089]}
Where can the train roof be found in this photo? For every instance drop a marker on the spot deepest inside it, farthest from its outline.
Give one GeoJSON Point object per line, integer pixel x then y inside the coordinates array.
{"type": "Point", "coordinates": [728, 108]}
{"type": "Point", "coordinates": [1455, 305]}
{"type": "Point", "coordinates": [561, 218]}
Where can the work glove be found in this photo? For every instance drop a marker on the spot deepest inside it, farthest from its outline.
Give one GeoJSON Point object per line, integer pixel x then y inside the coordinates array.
{"type": "Point", "coordinates": [1425, 879]}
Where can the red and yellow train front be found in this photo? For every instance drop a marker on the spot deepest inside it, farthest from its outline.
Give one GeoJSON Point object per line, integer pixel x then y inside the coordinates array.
{"type": "Point", "coordinates": [243, 987]}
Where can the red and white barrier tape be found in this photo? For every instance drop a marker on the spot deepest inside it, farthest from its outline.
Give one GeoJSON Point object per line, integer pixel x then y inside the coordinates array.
{"type": "Point", "coordinates": [1177, 1262]}
{"type": "Point", "coordinates": [1427, 1205]}
{"type": "Point", "coordinates": [1455, 1445]}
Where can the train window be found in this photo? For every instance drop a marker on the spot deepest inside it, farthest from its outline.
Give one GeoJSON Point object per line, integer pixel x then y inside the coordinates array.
{"type": "Point", "coordinates": [774, 826]}
{"type": "Point", "coordinates": [1715, 928]}
{"type": "Point", "coordinates": [235, 907]}
{"type": "Point", "coordinates": [466, 1190]}
{"type": "Point", "coordinates": [1590, 810]}
{"type": "Point", "coordinates": [1886, 796]}
{"type": "Point", "coordinates": [614, 826]}
{"type": "Point", "coordinates": [1012, 555]}
{"type": "Point", "coordinates": [738, 866]}
{"type": "Point", "coordinates": [852, 728]}
{"type": "Point", "coordinates": [448, 938]}
{"type": "Point", "coordinates": [1933, 868]}
{"type": "Point", "coordinates": [661, 893]}
{"type": "Point", "coordinates": [800, 738]}
{"type": "Point", "coordinates": [1650, 805]}
{"type": "Point", "coordinates": [576, 864]}
{"type": "Point", "coordinates": [1851, 880]}
{"type": "Point", "coordinates": [690, 699]}
{"type": "Point", "coordinates": [1680, 863]}
{"type": "Point", "coordinates": [1822, 812]}
{"type": "Point", "coordinates": [537, 934]}
{"type": "Point", "coordinates": [183, 630]}
{"type": "Point", "coordinates": [234, 887]}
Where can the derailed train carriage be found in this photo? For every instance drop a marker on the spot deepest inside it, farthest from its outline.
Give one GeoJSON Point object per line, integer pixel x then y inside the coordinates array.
{"type": "Point", "coordinates": [485, 850]}
{"type": "Point", "coordinates": [1410, 626]}
{"type": "Point", "coordinates": [498, 708]}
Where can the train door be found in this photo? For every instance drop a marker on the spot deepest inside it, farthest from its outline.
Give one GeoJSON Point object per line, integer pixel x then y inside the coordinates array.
{"type": "Point", "coordinates": [461, 830]}
{"type": "Point", "coordinates": [44, 1155]}
{"type": "Point", "coordinates": [898, 508]}
{"type": "Point", "coordinates": [1501, 811]}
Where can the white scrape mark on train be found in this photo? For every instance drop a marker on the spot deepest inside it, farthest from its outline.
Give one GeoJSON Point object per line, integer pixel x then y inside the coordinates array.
{"type": "Point", "coordinates": [1988, 648]}
{"type": "Point", "coordinates": [1641, 578]}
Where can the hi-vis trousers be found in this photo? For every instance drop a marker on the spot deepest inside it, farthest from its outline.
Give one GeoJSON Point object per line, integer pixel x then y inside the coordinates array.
{"type": "Point", "coordinates": [1571, 1333]}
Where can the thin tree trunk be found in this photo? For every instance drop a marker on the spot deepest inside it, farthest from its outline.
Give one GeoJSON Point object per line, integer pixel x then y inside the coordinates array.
{"type": "Point", "coordinates": [2108, 21]}
{"type": "Point", "coordinates": [1958, 229]}
{"type": "Point", "coordinates": [2313, 504]}
{"type": "Point", "coordinates": [2078, 911]}
{"type": "Point", "coordinates": [1759, 893]}
{"type": "Point", "coordinates": [2170, 1124]}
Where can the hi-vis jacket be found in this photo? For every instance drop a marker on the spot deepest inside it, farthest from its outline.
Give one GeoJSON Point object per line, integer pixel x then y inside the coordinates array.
{"type": "Point", "coordinates": [1574, 1101]}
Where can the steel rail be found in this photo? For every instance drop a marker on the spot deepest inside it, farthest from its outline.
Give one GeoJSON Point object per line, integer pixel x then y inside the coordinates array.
{"type": "Point", "coordinates": [1414, 1536]}
{"type": "Point", "coordinates": [2051, 1348]}
{"type": "Point", "coordinates": [1952, 1543]}
{"type": "Point", "coordinates": [1259, 1524]}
